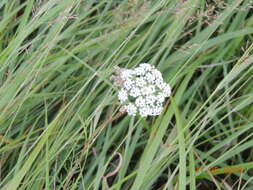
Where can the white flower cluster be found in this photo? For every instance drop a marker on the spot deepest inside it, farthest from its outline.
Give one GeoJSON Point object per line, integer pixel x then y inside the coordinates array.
{"type": "Point", "coordinates": [143, 90]}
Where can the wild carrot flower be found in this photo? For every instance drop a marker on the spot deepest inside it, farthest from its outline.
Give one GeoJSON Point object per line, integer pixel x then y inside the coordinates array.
{"type": "Point", "coordinates": [142, 90]}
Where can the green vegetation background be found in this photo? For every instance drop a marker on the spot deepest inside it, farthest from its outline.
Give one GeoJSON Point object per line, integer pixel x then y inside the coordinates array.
{"type": "Point", "coordinates": [60, 127]}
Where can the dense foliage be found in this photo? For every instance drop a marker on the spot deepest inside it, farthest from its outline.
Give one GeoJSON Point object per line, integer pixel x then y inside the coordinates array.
{"type": "Point", "coordinates": [60, 125]}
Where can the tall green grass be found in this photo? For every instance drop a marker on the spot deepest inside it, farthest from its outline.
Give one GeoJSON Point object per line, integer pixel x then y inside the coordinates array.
{"type": "Point", "coordinates": [60, 125]}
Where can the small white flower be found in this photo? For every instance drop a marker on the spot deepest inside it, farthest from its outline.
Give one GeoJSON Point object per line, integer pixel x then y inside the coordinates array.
{"type": "Point", "coordinates": [157, 110]}
{"type": "Point", "coordinates": [157, 74]}
{"type": "Point", "coordinates": [140, 102]}
{"type": "Point", "coordinates": [127, 73]}
{"type": "Point", "coordinates": [139, 71]}
{"type": "Point", "coordinates": [134, 92]}
{"type": "Point", "coordinates": [167, 90]}
{"type": "Point", "coordinates": [122, 95]}
{"type": "Point", "coordinates": [128, 84]}
{"type": "Point", "coordinates": [160, 84]}
{"type": "Point", "coordinates": [146, 66]}
{"type": "Point", "coordinates": [160, 97]}
{"type": "Point", "coordinates": [151, 99]}
{"type": "Point", "coordinates": [140, 81]}
{"type": "Point", "coordinates": [143, 112]}
{"type": "Point", "coordinates": [150, 77]}
{"type": "Point", "coordinates": [147, 90]}
{"type": "Point", "coordinates": [131, 109]}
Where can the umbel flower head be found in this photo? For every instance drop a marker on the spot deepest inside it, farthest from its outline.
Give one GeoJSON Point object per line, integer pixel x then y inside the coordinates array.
{"type": "Point", "coordinates": [142, 90]}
